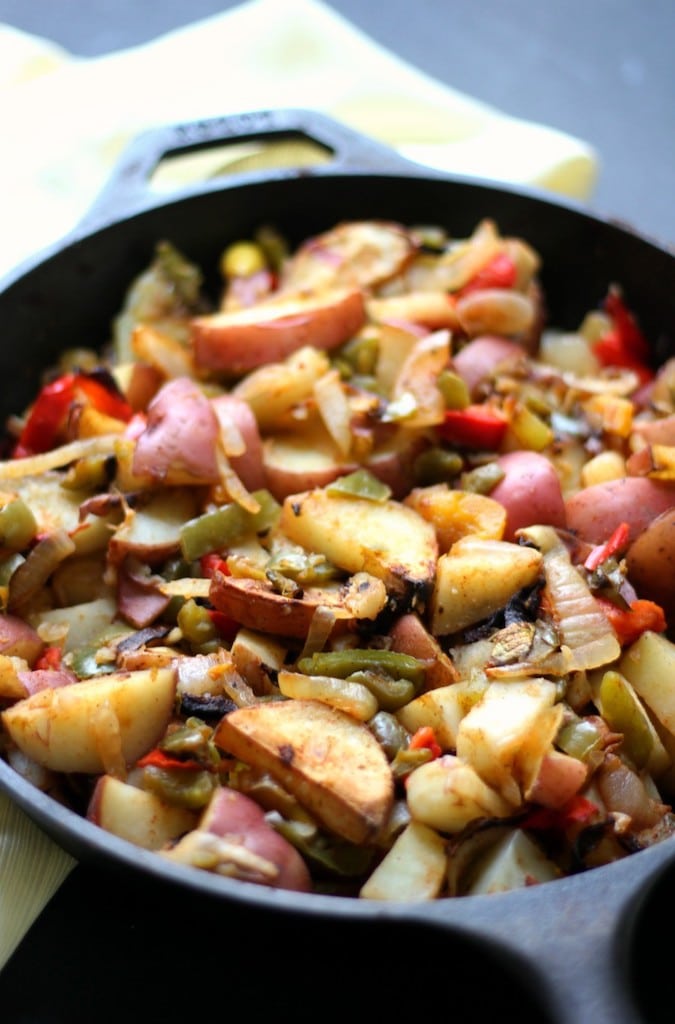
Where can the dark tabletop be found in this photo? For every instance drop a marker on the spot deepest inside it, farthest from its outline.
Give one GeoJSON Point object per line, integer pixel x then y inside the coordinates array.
{"type": "Point", "coordinates": [118, 948]}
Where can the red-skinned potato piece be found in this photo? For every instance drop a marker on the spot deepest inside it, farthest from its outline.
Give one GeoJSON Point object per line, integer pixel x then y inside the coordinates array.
{"type": "Point", "coordinates": [481, 357]}
{"type": "Point", "coordinates": [594, 513]}
{"type": "Point", "coordinates": [529, 491]}
{"type": "Point", "coordinates": [236, 342]}
{"type": "Point", "coordinates": [409, 635]}
{"type": "Point", "coordinates": [233, 815]}
{"type": "Point", "coordinates": [178, 444]}
{"type": "Point", "coordinates": [650, 562]}
{"type": "Point", "coordinates": [18, 639]}
{"type": "Point", "coordinates": [249, 464]}
{"type": "Point", "coordinates": [297, 462]}
{"type": "Point", "coordinates": [255, 605]}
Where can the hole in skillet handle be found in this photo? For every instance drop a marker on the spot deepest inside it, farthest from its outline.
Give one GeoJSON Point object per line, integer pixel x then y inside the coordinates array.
{"type": "Point", "coordinates": [179, 159]}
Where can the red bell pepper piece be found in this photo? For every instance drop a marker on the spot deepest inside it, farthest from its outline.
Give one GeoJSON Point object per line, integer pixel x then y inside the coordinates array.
{"type": "Point", "coordinates": [624, 345]}
{"type": "Point", "coordinates": [476, 426]}
{"type": "Point", "coordinates": [577, 810]}
{"type": "Point", "coordinates": [158, 759]}
{"type": "Point", "coordinates": [211, 563]}
{"type": "Point", "coordinates": [50, 410]}
{"type": "Point", "coordinates": [499, 272]}
{"type": "Point", "coordinates": [615, 544]}
{"type": "Point", "coordinates": [49, 659]}
{"type": "Point", "coordinates": [226, 626]}
{"type": "Point", "coordinates": [630, 623]}
{"type": "Point", "coordinates": [424, 738]}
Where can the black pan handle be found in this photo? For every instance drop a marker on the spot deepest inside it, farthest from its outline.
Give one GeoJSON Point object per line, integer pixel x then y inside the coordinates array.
{"type": "Point", "coordinates": [129, 189]}
{"type": "Point", "coordinates": [574, 940]}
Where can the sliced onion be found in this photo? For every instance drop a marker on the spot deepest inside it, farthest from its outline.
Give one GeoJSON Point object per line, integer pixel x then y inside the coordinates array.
{"type": "Point", "coordinates": [418, 377]}
{"type": "Point", "coordinates": [34, 572]}
{"type": "Point", "coordinates": [617, 382]}
{"type": "Point", "coordinates": [320, 629]}
{"type": "Point", "coordinates": [584, 628]}
{"type": "Point", "coordinates": [496, 311]}
{"type": "Point", "coordinates": [35, 465]}
{"type": "Point", "coordinates": [334, 409]}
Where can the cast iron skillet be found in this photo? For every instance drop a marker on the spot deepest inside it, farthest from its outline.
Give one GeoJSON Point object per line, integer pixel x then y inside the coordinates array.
{"type": "Point", "coordinates": [569, 943]}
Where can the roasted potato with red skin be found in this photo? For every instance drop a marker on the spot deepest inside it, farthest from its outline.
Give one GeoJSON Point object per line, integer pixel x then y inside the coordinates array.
{"type": "Point", "coordinates": [18, 639]}
{"type": "Point", "coordinates": [650, 562]}
{"type": "Point", "coordinates": [328, 760]}
{"type": "Point", "coordinates": [254, 604]}
{"type": "Point", "coordinates": [237, 817]}
{"type": "Point", "coordinates": [234, 342]}
{"type": "Point", "coordinates": [530, 492]}
{"type": "Point", "coordinates": [594, 513]}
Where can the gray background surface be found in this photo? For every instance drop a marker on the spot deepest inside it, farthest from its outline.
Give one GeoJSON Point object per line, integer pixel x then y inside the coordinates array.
{"type": "Point", "coordinates": [602, 70]}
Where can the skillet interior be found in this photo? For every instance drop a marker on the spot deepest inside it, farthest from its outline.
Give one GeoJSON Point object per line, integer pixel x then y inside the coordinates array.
{"type": "Point", "coordinates": [69, 297]}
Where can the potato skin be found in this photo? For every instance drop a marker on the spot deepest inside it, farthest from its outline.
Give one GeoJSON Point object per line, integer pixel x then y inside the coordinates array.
{"type": "Point", "coordinates": [19, 639]}
{"type": "Point", "coordinates": [650, 562]}
{"type": "Point", "coordinates": [234, 815]}
{"type": "Point", "coordinates": [594, 513]}
{"type": "Point", "coordinates": [236, 342]}
{"type": "Point", "coordinates": [530, 492]}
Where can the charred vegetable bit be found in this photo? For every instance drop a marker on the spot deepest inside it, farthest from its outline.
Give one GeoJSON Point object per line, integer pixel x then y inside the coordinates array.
{"type": "Point", "coordinates": [351, 572]}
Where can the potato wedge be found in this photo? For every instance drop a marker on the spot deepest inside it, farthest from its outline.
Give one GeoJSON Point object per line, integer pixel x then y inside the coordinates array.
{"type": "Point", "coordinates": [446, 794]}
{"type": "Point", "coordinates": [429, 309]}
{"type": "Point", "coordinates": [152, 532]}
{"type": "Point", "coordinates": [478, 577]}
{"type": "Point", "coordinates": [273, 391]}
{"type": "Point", "coordinates": [413, 869]}
{"type": "Point", "coordinates": [649, 666]}
{"type": "Point", "coordinates": [18, 639]}
{"type": "Point", "coordinates": [409, 635]}
{"type": "Point", "coordinates": [137, 815]}
{"type": "Point", "coordinates": [359, 253]}
{"type": "Point", "coordinates": [514, 862]}
{"type": "Point", "coordinates": [296, 462]}
{"type": "Point", "coordinates": [331, 763]}
{"type": "Point", "coordinates": [60, 728]}
{"type": "Point", "coordinates": [508, 732]}
{"type": "Point", "coordinates": [384, 538]}
{"type": "Point", "coordinates": [254, 604]}
{"type": "Point", "coordinates": [240, 340]}
{"type": "Point", "coordinates": [441, 709]}
{"type": "Point", "coordinates": [650, 561]}
{"type": "Point", "coordinates": [456, 514]}
{"type": "Point", "coordinates": [258, 658]}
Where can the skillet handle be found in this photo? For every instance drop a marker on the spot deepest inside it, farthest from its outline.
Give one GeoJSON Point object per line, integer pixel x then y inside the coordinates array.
{"type": "Point", "coordinates": [573, 942]}
{"type": "Point", "coordinates": [129, 188]}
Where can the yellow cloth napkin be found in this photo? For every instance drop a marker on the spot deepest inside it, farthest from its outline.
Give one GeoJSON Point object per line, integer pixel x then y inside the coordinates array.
{"type": "Point", "coordinates": [64, 120]}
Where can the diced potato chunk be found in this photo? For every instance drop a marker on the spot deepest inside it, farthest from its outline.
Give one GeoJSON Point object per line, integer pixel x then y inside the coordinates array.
{"type": "Point", "coordinates": [84, 726]}
{"type": "Point", "coordinates": [447, 794]}
{"type": "Point", "coordinates": [514, 862]}
{"type": "Point", "coordinates": [505, 736]}
{"type": "Point", "coordinates": [384, 538]}
{"type": "Point", "coordinates": [413, 869]}
{"type": "Point", "coordinates": [476, 578]}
